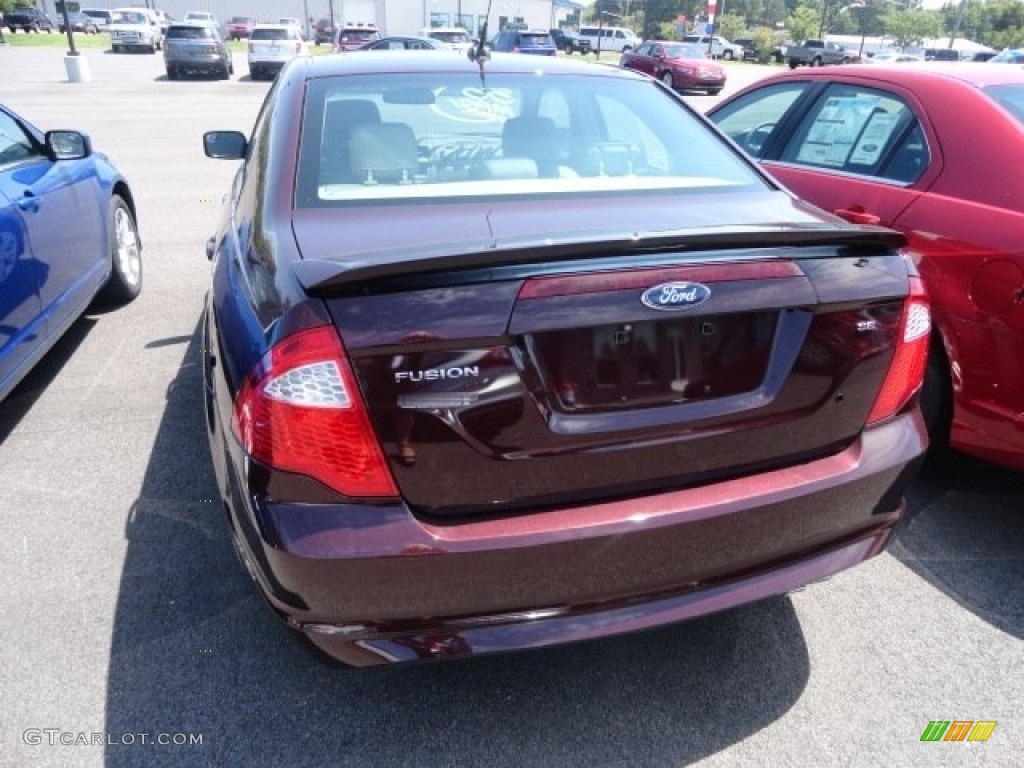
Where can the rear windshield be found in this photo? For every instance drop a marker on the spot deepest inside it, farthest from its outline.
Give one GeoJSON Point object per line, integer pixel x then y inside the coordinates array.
{"type": "Point", "coordinates": [425, 137]}
{"type": "Point", "coordinates": [1010, 98]}
{"type": "Point", "coordinates": [271, 34]}
{"type": "Point", "coordinates": [134, 18]}
{"type": "Point", "coordinates": [531, 40]}
{"type": "Point", "coordinates": [189, 33]}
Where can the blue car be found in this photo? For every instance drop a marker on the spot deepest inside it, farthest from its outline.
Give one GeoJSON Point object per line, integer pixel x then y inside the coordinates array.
{"type": "Point", "coordinates": [68, 236]}
{"type": "Point", "coordinates": [537, 42]}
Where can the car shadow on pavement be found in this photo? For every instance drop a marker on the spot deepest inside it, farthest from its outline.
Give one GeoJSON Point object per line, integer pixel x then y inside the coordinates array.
{"type": "Point", "coordinates": [966, 537]}
{"type": "Point", "coordinates": [31, 388]}
{"type": "Point", "coordinates": [196, 653]}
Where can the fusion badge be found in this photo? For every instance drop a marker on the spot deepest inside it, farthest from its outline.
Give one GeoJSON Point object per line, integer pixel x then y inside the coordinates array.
{"type": "Point", "coordinates": [673, 297]}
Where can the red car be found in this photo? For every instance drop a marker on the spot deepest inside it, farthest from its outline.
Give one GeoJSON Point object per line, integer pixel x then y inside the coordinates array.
{"type": "Point", "coordinates": [933, 150]}
{"type": "Point", "coordinates": [680, 66]}
{"type": "Point", "coordinates": [349, 38]}
{"type": "Point", "coordinates": [240, 26]}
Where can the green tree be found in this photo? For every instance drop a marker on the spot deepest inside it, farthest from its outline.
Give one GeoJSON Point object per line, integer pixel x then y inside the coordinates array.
{"type": "Point", "coordinates": [803, 22]}
{"type": "Point", "coordinates": [730, 25]}
{"type": "Point", "coordinates": [912, 27]}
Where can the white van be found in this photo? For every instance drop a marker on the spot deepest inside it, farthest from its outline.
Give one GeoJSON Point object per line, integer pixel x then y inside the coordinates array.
{"type": "Point", "coordinates": [618, 39]}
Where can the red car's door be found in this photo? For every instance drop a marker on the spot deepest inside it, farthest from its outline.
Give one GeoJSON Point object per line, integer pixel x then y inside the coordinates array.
{"type": "Point", "coordinates": [862, 153]}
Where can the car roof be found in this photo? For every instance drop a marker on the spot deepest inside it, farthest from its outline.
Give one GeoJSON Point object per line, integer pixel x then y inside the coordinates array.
{"type": "Point", "coordinates": [273, 26]}
{"type": "Point", "coordinates": [977, 74]}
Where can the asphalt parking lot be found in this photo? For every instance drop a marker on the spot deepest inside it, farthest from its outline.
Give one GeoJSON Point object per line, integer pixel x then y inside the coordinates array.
{"type": "Point", "coordinates": [127, 621]}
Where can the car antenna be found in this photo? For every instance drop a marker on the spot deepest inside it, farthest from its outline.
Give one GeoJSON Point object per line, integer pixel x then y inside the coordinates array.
{"type": "Point", "coordinates": [479, 52]}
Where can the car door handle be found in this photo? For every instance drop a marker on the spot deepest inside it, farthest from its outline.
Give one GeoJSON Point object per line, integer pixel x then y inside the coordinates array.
{"type": "Point", "coordinates": [857, 217]}
{"type": "Point", "coordinates": [29, 202]}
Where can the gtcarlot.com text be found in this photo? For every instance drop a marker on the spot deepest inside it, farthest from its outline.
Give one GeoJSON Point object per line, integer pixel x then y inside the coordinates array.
{"type": "Point", "coordinates": [57, 736]}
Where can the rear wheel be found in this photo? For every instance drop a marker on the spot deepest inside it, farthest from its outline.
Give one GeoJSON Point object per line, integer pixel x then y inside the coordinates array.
{"type": "Point", "coordinates": [714, 91]}
{"type": "Point", "coordinates": [937, 398]}
{"type": "Point", "coordinates": [727, 55]}
{"type": "Point", "coordinates": [816, 61]}
{"type": "Point", "coordinates": [172, 73]}
{"type": "Point", "coordinates": [668, 80]}
{"type": "Point", "coordinates": [125, 281]}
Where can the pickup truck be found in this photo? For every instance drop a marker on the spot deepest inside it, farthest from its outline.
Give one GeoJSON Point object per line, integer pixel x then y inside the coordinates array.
{"type": "Point", "coordinates": [818, 53]}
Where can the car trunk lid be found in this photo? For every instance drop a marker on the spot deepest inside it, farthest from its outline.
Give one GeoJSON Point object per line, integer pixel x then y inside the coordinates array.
{"type": "Point", "coordinates": [574, 369]}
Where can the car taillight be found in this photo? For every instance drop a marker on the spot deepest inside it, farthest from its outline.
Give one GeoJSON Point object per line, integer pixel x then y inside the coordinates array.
{"type": "Point", "coordinates": [300, 411]}
{"type": "Point", "coordinates": [906, 371]}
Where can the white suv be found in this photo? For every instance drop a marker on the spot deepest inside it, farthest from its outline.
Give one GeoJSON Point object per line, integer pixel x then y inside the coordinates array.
{"type": "Point", "coordinates": [618, 39]}
{"type": "Point", "coordinates": [135, 28]}
{"type": "Point", "coordinates": [720, 47]}
{"type": "Point", "coordinates": [271, 46]}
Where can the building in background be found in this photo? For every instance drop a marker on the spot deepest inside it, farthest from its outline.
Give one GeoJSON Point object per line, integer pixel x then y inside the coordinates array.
{"type": "Point", "coordinates": [391, 17]}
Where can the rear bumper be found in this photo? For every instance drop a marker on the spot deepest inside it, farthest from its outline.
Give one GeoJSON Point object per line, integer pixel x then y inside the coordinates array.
{"type": "Point", "coordinates": [204, 63]}
{"type": "Point", "coordinates": [371, 646]}
{"type": "Point", "coordinates": [376, 584]}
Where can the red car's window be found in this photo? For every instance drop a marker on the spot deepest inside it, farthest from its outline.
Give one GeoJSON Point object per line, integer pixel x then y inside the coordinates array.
{"type": "Point", "coordinates": [855, 130]}
{"type": "Point", "coordinates": [750, 119]}
{"type": "Point", "coordinates": [1010, 98]}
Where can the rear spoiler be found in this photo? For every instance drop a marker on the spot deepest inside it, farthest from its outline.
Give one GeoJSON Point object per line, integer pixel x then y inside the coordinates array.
{"type": "Point", "coordinates": [319, 277]}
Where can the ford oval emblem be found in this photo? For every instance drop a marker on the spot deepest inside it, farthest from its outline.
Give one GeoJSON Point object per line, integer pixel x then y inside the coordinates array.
{"type": "Point", "coordinates": [673, 297]}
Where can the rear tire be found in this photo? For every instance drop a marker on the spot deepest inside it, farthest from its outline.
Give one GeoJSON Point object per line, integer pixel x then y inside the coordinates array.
{"type": "Point", "coordinates": [125, 281]}
{"type": "Point", "coordinates": [668, 80]}
{"type": "Point", "coordinates": [937, 399]}
{"type": "Point", "coordinates": [727, 55]}
{"type": "Point", "coordinates": [816, 61]}
{"type": "Point", "coordinates": [714, 91]}
{"type": "Point", "coordinates": [172, 73]}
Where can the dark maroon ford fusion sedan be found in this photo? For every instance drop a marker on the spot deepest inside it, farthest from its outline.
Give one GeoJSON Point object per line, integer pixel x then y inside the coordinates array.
{"type": "Point", "coordinates": [512, 353]}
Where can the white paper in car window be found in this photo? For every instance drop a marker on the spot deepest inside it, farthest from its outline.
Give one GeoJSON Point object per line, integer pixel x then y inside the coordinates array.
{"type": "Point", "coordinates": [835, 129]}
{"type": "Point", "coordinates": [874, 136]}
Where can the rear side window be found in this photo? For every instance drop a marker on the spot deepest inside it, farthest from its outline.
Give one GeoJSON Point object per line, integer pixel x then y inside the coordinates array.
{"type": "Point", "coordinates": [859, 130]}
{"type": "Point", "coordinates": [1009, 97]}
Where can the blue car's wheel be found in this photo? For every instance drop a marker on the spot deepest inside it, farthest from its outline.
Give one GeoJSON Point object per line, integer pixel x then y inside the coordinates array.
{"type": "Point", "coordinates": [125, 280]}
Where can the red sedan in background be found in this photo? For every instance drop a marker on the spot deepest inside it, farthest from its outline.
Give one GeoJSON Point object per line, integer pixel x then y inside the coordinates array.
{"type": "Point", "coordinates": [680, 66]}
{"type": "Point", "coordinates": [936, 151]}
